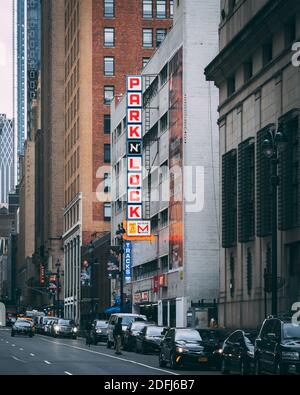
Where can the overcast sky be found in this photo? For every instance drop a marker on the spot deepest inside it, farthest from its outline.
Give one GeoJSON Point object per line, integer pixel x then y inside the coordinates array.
{"type": "Point", "coordinates": [6, 56]}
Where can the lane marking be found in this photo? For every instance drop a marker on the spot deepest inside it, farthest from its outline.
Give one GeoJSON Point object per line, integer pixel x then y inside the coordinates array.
{"type": "Point", "coordinates": [113, 357]}
{"type": "Point", "coordinates": [13, 345]}
{"type": "Point", "coordinates": [19, 360]}
{"type": "Point", "coordinates": [32, 355]}
{"type": "Point", "coordinates": [6, 342]}
{"type": "Point", "coordinates": [68, 373]}
{"type": "Point", "coordinates": [21, 349]}
{"type": "Point", "coordinates": [47, 362]}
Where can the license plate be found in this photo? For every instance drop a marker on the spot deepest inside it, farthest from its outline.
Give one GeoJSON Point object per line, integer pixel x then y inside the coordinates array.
{"type": "Point", "coordinates": [203, 359]}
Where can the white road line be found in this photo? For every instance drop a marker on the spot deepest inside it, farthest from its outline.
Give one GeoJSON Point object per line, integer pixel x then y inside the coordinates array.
{"type": "Point", "coordinates": [32, 355]}
{"type": "Point", "coordinates": [13, 345]}
{"type": "Point", "coordinates": [113, 357]}
{"type": "Point", "coordinates": [19, 360]}
{"type": "Point", "coordinates": [21, 349]}
{"type": "Point", "coordinates": [68, 373]}
{"type": "Point", "coordinates": [47, 362]}
{"type": "Point", "coordinates": [6, 342]}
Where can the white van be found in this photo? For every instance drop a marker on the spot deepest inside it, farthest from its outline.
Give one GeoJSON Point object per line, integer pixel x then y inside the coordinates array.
{"type": "Point", "coordinates": [127, 318]}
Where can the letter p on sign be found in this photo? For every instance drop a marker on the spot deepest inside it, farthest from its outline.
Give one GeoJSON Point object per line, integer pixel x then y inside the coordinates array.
{"type": "Point", "coordinates": [134, 83]}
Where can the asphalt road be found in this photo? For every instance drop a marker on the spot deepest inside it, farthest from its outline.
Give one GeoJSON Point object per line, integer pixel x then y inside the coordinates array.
{"type": "Point", "coordinates": [42, 355]}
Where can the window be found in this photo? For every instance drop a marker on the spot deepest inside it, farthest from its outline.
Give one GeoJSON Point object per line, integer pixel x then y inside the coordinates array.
{"type": "Point", "coordinates": [109, 92]}
{"type": "Point", "coordinates": [160, 36]}
{"type": "Point", "coordinates": [290, 32]}
{"type": "Point", "coordinates": [161, 9]}
{"type": "Point", "coordinates": [164, 263]}
{"type": "Point", "coordinates": [164, 75]}
{"type": "Point", "coordinates": [107, 182]}
{"type": "Point", "coordinates": [248, 70]}
{"type": "Point", "coordinates": [107, 123]}
{"type": "Point", "coordinates": [145, 61]}
{"type": "Point", "coordinates": [164, 218]}
{"type": "Point", "coordinates": [109, 37]}
{"type": "Point", "coordinates": [109, 66]}
{"type": "Point", "coordinates": [267, 52]}
{"type": "Point", "coordinates": [147, 9]}
{"type": "Point", "coordinates": [171, 8]}
{"type": "Point", "coordinates": [107, 211]}
{"type": "Point", "coordinates": [107, 153]}
{"type": "Point", "coordinates": [147, 38]}
{"type": "Point", "coordinates": [164, 122]}
{"type": "Point", "coordinates": [230, 85]}
{"type": "Point", "coordinates": [109, 8]}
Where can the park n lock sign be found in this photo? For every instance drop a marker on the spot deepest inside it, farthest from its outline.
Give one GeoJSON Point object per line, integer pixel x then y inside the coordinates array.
{"type": "Point", "coordinates": [136, 226]}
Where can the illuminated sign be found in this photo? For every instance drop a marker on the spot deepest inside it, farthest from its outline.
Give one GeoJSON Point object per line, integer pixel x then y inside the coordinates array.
{"type": "Point", "coordinates": [138, 228]}
{"type": "Point", "coordinates": [128, 260]}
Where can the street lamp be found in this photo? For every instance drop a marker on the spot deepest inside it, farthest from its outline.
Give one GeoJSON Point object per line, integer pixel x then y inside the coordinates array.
{"type": "Point", "coordinates": [90, 251]}
{"type": "Point", "coordinates": [120, 233]}
{"type": "Point", "coordinates": [58, 265]}
{"type": "Point", "coordinates": [274, 143]}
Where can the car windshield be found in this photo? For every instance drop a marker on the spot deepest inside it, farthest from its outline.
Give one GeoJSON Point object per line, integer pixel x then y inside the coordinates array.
{"type": "Point", "coordinates": [23, 323]}
{"type": "Point", "coordinates": [291, 331]}
{"type": "Point", "coordinates": [126, 320]}
{"type": "Point", "coordinates": [154, 331]}
{"type": "Point", "coordinates": [101, 324]}
{"type": "Point", "coordinates": [137, 326]}
{"type": "Point", "coordinates": [65, 322]}
{"type": "Point", "coordinates": [187, 335]}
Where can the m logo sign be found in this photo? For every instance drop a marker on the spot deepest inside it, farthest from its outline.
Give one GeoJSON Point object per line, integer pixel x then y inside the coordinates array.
{"type": "Point", "coordinates": [138, 228]}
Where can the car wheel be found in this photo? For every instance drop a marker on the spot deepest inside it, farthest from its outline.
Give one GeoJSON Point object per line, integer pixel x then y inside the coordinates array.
{"type": "Point", "coordinates": [173, 364]}
{"type": "Point", "coordinates": [12, 334]}
{"type": "Point", "coordinates": [280, 369]}
{"type": "Point", "coordinates": [224, 369]}
{"type": "Point", "coordinates": [161, 361]}
{"type": "Point", "coordinates": [95, 342]}
{"type": "Point", "coordinates": [143, 349]}
{"type": "Point", "coordinates": [31, 335]}
{"type": "Point", "coordinates": [75, 337]}
{"type": "Point", "coordinates": [108, 344]}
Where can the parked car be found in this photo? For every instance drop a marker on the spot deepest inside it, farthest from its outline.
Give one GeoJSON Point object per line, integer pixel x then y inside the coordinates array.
{"type": "Point", "coordinates": [149, 339]}
{"type": "Point", "coordinates": [10, 320]}
{"type": "Point", "coordinates": [22, 327]}
{"type": "Point", "coordinates": [127, 318]}
{"type": "Point", "coordinates": [212, 343]}
{"type": "Point", "coordinates": [277, 347]}
{"type": "Point", "coordinates": [130, 334]}
{"type": "Point", "coordinates": [64, 328]}
{"type": "Point", "coordinates": [99, 331]}
{"type": "Point", "coordinates": [238, 353]}
{"type": "Point", "coordinates": [49, 324]}
{"type": "Point", "coordinates": [182, 346]}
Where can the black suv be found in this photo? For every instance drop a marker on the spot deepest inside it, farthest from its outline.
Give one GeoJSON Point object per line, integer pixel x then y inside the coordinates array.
{"type": "Point", "coordinates": [277, 347]}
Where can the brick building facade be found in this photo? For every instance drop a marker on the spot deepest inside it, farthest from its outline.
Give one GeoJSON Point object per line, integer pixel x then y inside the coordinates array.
{"type": "Point", "coordinates": [96, 62]}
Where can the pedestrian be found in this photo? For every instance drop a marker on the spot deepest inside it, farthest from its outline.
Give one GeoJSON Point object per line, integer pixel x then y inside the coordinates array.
{"type": "Point", "coordinates": [88, 329]}
{"type": "Point", "coordinates": [117, 333]}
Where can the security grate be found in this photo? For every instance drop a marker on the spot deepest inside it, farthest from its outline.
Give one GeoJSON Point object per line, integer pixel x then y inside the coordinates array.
{"type": "Point", "coordinates": [263, 187]}
{"type": "Point", "coordinates": [246, 191]}
{"type": "Point", "coordinates": [289, 174]}
{"type": "Point", "coordinates": [229, 199]}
